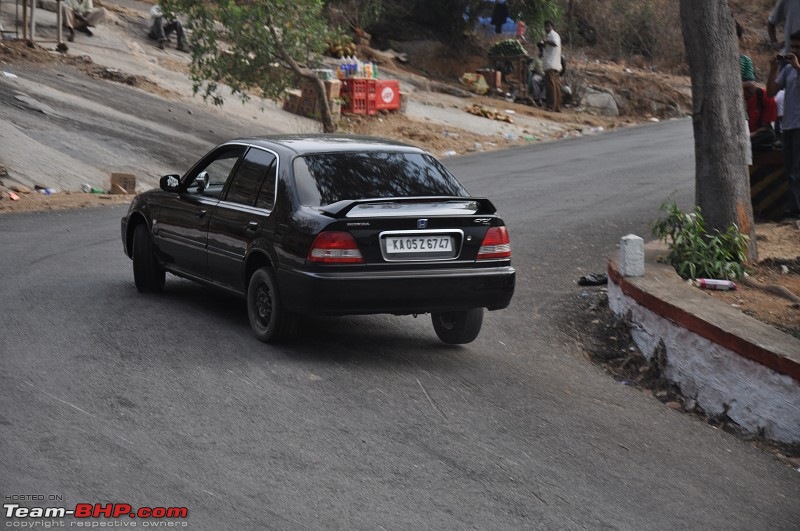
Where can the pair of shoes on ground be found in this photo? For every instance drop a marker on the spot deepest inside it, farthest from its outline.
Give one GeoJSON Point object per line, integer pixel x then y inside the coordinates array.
{"type": "Point", "coordinates": [181, 47]}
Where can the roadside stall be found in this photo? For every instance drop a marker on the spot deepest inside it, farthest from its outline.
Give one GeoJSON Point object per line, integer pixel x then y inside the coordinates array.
{"type": "Point", "coordinates": [508, 72]}
{"type": "Point", "coordinates": [362, 91]}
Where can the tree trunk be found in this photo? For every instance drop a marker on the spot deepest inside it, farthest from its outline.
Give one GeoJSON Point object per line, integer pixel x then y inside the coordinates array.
{"type": "Point", "coordinates": [328, 125]}
{"type": "Point", "coordinates": [722, 183]}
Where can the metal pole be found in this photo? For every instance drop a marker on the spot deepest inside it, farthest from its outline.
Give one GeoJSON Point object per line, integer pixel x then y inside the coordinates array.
{"type": "Point", "coordinates": [59, 15]}
{"type": "Point", "coordinates": [33, 21]}
{"type": "Point", "coordinates": [24, 20]}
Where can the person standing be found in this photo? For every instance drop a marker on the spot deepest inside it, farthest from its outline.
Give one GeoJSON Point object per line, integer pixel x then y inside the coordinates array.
{"type": "Point", "coordinates": [81, 15]}
{"type": "Point", "coordinates": [552, 66]}
{"type": "Point", "coordinates": [786, 12]}
{"type": "Point", "coordinates": [762, 111]}
{"type": "Point", "coordinates": [499, 15]}
{"type": "Point", "coordinates": [786, 77]}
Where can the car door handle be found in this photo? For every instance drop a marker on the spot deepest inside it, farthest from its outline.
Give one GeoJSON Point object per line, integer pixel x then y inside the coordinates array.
{"type": "Point", "coordinates": [201, 214]}
{"type": "Point", "coordinates": [252, 226]}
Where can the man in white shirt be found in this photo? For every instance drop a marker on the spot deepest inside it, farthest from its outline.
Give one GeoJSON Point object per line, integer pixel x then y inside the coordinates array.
{"type": "Point", "coordinates": [552, 66]}
{"type": "Point", "coordinates": [161, 27]}
{"type": "Point", "coordinates": [81, 15]}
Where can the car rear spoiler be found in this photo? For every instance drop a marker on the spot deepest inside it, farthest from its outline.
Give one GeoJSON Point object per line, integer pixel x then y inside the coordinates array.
{"type": "Point", "coordinates": [479, 205]}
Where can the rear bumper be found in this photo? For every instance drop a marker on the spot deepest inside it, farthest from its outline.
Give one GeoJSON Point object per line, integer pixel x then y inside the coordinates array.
{"type": "Point", "coordinates": [397, 292]}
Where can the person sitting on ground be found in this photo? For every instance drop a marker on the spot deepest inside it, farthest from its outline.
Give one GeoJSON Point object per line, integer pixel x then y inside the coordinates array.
{"type": "Point", "coordinates": [536, 76]}
{"type": "Point", "coordinates": [161, 28]}
{"type": "Point", "coordinates": [81, 15]}
{"type": "Point", "coordinates": [761, 112]}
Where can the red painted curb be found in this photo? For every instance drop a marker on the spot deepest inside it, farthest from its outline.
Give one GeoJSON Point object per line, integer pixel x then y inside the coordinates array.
{"type": "Point", "coordinates": [713, 333]}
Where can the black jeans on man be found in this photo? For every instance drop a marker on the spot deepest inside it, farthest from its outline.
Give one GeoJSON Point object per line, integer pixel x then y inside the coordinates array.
{"type": "Point", "coordinates": [161, 31]}
{"type": "Point", "coordinates": [791, 161]}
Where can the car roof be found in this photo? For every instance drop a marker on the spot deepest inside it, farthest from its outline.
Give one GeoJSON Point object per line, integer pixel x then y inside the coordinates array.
{"type": "Point", "coordinates": [327, 143]}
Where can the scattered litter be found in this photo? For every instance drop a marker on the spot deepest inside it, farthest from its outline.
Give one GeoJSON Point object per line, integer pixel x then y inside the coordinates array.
{"type": "Point", "coordinates": [89, 189]}
{"type": "Point", "coordinates": [593, 279]}
{"type": "Point", "coordinates": [654, 120]}
{"type": "Point", "coordinates": [475, 83]}
{"type": "Point", "coordinates": [479, 110]}
{"type": "Point", "coordinates": [9, 74]}
{"type": "Point", "coordinates": [510, 136]}
{"type": "Point", "coordinates": [530, 138]}
{"type": "Point", "coordinates": [510, 111]}
{"type": "Point", "coordinates": [13, 196]}
{"type": "Point", "coordinates": [478, 146]}
{"type": "Point", "coordinates": [784, 269]}
{"type": "Point", "coordinates": [450, 153]}
{"type": "Point", "coordinates": [45, 190]}
{"type": "Point", "coordinates": [625, 382]}
{"type": "Point", "coordinates": [712, 283]}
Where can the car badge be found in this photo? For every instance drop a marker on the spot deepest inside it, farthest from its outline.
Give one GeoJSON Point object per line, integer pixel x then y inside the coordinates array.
{"type": "Point", "coordinates": [422, 223]}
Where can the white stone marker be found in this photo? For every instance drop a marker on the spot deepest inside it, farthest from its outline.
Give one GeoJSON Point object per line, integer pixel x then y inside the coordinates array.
{"type": "Point", "coordinates": [631, 256]}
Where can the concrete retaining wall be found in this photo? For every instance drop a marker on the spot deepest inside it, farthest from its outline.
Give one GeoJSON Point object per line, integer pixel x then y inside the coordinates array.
{"type": "Point", "coordinates": [728, 362]}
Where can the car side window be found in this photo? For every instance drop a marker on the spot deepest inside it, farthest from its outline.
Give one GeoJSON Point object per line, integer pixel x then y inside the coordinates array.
{"type": "Point", "coordinates": [209, 179]}
{"type": "Point", "coordinates": [246, 187]}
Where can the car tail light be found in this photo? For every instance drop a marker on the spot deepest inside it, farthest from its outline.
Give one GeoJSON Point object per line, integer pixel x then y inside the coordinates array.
{"type": "Point", "coordinates": [495, 244]}
{"type": "Point", "coordinates": [335, 248]}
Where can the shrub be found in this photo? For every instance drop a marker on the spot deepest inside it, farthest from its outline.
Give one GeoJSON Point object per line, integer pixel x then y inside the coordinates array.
{"type": "Point", "coordinates": [694, 253]}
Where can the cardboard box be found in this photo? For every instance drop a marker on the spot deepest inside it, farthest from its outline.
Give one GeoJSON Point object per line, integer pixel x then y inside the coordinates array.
{"type": "Point", "coordinates": [123, 183]}
{"type": "Point", "coordinates": [292, 101]}
{"type": "Point", "coordinates": [333, 88]}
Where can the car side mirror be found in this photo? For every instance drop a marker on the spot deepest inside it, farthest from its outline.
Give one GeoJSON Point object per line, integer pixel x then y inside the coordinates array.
{"type": "Point", "coordinates": [202, 181]}
{"type": "Point", "coordinates": [170, 183]}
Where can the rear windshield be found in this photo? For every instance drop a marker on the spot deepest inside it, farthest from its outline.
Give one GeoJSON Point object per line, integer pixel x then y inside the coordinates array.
{"type": "Point", "coordinates": [323, 179]}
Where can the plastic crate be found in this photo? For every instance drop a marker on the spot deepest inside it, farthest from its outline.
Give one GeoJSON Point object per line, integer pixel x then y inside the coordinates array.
{"type": "Point", "coordinates": [359, 95]}
{"type": "Point", "coordinates": [387, 95]}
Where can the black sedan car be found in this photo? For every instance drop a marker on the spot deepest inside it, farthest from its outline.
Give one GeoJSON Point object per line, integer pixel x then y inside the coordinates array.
{"type": "Point", "coordinates": [325, 225]}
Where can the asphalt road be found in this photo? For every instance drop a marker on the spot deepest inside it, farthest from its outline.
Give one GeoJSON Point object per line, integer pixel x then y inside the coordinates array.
{"type": "Point", "coordinates": [109, 396]}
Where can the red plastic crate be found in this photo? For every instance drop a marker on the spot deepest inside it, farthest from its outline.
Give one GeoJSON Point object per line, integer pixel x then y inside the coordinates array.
{"type": "Point", "coordinates": [359, 95]}
{"type": "Point", "coordinates": [387, 94]}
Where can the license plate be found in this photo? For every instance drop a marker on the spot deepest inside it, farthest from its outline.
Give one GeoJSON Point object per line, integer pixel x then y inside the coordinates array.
{"type": "Point", "coordinates": [418, 244]}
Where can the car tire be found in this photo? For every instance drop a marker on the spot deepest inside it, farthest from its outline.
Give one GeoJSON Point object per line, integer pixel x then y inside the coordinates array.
{"type": "Point", "coordinates": [148, 274]}
{"type": "Point", "coordinates": [457, 328]}
{"type": "Point", "coordinates": [270, 321]}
